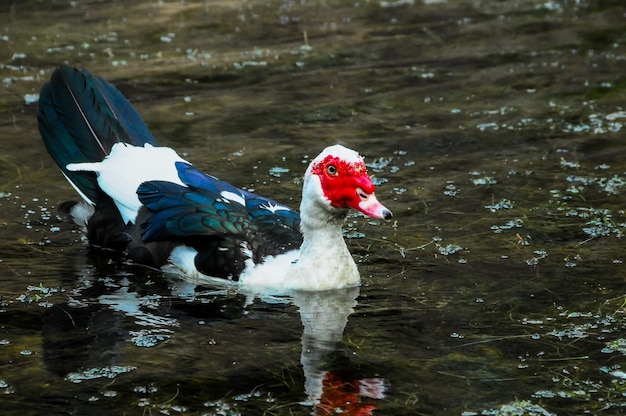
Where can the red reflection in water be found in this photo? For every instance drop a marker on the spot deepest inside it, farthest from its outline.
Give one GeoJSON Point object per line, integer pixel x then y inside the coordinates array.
{"type": "Point", "coordinates": [349, 397]}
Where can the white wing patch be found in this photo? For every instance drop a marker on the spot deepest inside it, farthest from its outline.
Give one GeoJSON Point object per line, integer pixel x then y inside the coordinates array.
{"type": "Point", "coordinates": [127, 167]}
{"type": "Point", "coordinates": [274, 207]}
{"type": "Point", "coordinates": [233, 197]}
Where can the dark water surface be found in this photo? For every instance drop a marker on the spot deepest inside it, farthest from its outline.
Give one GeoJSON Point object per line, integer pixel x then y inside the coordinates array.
{"type": "Point", "coordinates": [495, 130]}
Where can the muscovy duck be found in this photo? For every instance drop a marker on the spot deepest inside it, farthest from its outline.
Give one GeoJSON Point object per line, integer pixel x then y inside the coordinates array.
{"type": "Point", "coordinates": [154, 206]}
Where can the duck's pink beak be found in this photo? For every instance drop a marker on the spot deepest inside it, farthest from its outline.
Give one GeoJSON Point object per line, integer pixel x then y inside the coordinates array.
{"type": "Point", "coordinates": [370, 206]}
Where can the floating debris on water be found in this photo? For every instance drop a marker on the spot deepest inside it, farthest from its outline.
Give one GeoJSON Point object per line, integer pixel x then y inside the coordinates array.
{"type": "Point", "coordinates": [502, 204]}
{"type": "Point", "coordinates": [277, 171]}
{"type": "Point", "coordinates": [618, 345]}
{"type": "Point", "coordinates": [568, 164]}
{"type": "Point", "coordinates": [396, 3]}
{"type": "Point", "coordinates": [572, 262]}
{"type": "Point", "coordinates": [601, 223]}
{"type": "Point", "coordinates": [168, 38]}
{"type": "Point", "coordinates": [39, 295]}
{"type": "Point", "coordinates": [8, 389]}
{"type": "Point", "coordinates": [94, 373]}
{"type": "Point", "coordinates": [150, 389]}
{"type": "Point", "coordinates": [528, 321]}
{"type": "Point", "coordinates": [31, 98]}
{"type": "Point", "coordinates": [451, 189]}
{"type": "Point", "coordinates": [517, 408]}
{"type": "Point", "coordinates": [539, 255]}
{"type": "Point", "coordinates": [378, 165]}
{"type": "Point", "coordinates": [242, 65]}
{"type": "Point", "coordinates": [149, 337]}
{"type": "Point", "coordinates": [612, 185]}
{"type": "Point", "coordinates": [449, 249]}
{"type": "Point", "coordinates": [485, 126]}
{"type": "Point", "coordinates": [485, 181]}
{"type": "Point", "coordinates": [515, 223]}
{"type": "Point", "coordinates": [619, 374]}
{"type": "Point", "coordinates": [222, 408]}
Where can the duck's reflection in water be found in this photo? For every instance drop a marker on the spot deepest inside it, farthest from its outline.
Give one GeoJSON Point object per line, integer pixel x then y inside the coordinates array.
{"type": "Point", "coordinates": [324, 317]}
{"type": "Point", "coordinates": [96, 332]}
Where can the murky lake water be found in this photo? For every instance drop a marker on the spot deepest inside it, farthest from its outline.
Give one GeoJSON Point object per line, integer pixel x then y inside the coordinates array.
{"type": "Point", "coordinates": [494, 129]}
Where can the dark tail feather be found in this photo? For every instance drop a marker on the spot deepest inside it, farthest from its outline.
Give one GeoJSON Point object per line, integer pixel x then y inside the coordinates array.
{"type": "Point", "coordinates": [81, 116]}
{"type": "Point", "coordinates": [133, 129]}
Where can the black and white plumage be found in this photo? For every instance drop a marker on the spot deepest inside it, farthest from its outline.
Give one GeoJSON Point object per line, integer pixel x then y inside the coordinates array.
{"type": "Point", "coordinates": [153, 205]}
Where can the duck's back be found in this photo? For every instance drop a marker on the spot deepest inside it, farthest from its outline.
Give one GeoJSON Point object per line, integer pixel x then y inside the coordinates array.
{"type": "Point", "coordinates": [146, 200]}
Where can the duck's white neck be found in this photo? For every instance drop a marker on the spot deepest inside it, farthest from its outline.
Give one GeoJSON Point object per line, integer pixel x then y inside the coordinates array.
{"type": "Point", "coordinates": [325, 262]}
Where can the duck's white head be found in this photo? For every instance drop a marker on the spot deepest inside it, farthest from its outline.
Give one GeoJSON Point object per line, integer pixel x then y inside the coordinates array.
{"type": "Point", "coordinates": [338, 178]}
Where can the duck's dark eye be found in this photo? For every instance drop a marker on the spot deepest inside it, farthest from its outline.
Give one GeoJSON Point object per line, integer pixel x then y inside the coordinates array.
{"type": "Point", "coordinates": [332, 170]}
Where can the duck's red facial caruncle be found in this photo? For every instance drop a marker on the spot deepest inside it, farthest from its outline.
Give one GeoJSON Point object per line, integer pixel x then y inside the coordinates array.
{"type": "Point", "coordinates": [346, 184]}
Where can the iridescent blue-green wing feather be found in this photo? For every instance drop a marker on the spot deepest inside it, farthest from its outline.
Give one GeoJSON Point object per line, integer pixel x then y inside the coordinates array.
{"type": "Point", "coordinates": [179, 212]}
{"type": "Point", "coordinates": [206, 206]}
{"type": "Point", "coordinates": [279, 225]}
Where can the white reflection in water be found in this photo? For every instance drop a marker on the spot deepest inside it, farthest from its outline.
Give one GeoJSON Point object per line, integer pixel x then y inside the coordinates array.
{"type": "Point", "coordinates": [324, 317]}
